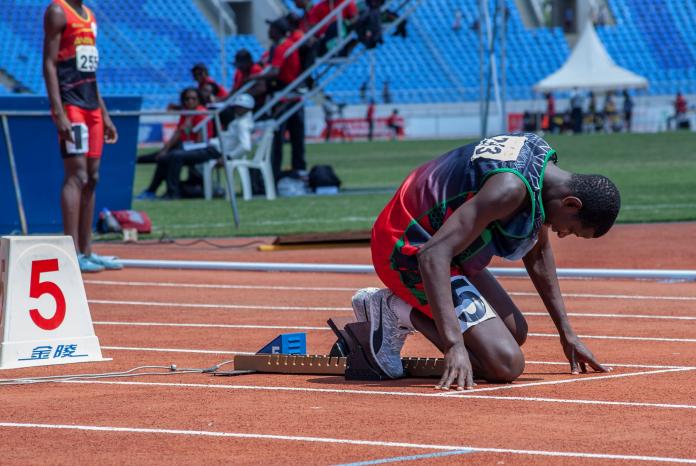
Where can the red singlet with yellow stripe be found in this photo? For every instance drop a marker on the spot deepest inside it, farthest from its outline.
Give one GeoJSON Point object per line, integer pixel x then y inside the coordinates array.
{"type": "Point", "coordinates": [78, 58]}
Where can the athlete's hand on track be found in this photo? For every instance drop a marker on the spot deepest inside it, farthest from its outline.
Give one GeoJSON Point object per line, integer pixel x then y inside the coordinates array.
{"type": "Point", "coordinates": [65, 129]}
{"type": "Point", "coordinates": [457, 369]}
{"type": "Point", "coordinates": [580, 357]}
{"type": "Point", "coordinates": [110, 133]}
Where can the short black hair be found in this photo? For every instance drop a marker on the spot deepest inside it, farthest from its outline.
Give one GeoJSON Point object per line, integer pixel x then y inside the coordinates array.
{"type": "Point", "coordinates": [199, 67]}
{"type": "Point", "coordinates": [243, 56]}
{"type": "Point", "coordinates": [600, 199]}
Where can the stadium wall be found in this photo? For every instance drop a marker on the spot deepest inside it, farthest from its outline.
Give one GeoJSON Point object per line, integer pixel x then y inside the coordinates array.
{"type": "Point", "coordinates": [461, 119]}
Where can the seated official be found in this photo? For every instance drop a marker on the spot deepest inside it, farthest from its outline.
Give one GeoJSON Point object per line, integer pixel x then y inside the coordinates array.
{"type": "Point", "coordinates": [184, 134]}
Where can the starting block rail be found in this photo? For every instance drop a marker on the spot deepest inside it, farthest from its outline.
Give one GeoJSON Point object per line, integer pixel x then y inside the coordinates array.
{"type": "Point", "coordinates": [325, 365]}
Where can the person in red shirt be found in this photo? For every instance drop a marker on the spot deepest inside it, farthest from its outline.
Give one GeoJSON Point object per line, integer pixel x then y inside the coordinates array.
{"type": "Point", "coordinates": [550, 110]}
{"type": "Point", "coordinates": [70, 62]}
{"type": "Point", "coordinates": [244, 69]}
{"type": "Point", "coordinates": [370, 117]}
{"type": "Point", "coordinates": [680, 109]}
{"type": "Point", "coordinates": [680, 105]}
{"type": "Point", "coordinates": [329, 32]}
{"type": "Point", "coordinates": [190, 100]}
{"type": "Point", "coordinates": [279, 70]}
{"type": "Point", "coordinates": [396, 124]}
{"type": "Point", "coordinates": [201, 76]}
{"type": "Point", "coordinates": [322, 9]}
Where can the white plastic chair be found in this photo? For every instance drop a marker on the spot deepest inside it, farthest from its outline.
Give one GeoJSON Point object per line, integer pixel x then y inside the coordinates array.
{"type": "Point", "coordinates": [261, 160]}
{"type": "Point", "coordinates": [207, 169]}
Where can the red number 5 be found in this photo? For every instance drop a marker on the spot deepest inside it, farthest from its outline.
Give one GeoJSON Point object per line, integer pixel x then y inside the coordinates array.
{"type": "Point", "coordinates": [37, 288]}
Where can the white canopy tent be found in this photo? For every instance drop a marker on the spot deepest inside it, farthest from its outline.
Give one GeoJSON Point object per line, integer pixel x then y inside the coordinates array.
{"type": "Point", "coordinates": [590, 67]}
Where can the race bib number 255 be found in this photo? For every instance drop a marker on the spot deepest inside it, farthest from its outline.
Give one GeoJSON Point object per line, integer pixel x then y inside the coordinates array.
{"type": "Point", "coordinates": [87, 58]}
{"type": "Point", "coordinates": [505, 148]}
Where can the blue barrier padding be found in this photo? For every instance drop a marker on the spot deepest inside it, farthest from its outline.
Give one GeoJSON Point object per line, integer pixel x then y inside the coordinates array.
{"type": "Point", "coordinates": [286, 343]}
{"type": "Point", "coordinates": [40, 167]}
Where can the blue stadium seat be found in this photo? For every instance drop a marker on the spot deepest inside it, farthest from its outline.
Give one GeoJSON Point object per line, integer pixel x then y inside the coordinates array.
{"type": "Point", "coordinates": [148, 46]}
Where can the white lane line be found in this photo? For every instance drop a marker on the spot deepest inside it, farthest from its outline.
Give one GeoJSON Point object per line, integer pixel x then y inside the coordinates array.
{"type": "Point", "coordinates": [174, 350]}
{"type": "Point", "coordinates": [612, 296]}
{"type": "Point", "coordinates": [616, 337]}
{"type": "Point", "coordinates": [345, 441]}
{"type": "Point", "coordinates": [558, 382]}
{"type": "Point", "coordinates": [183, 226]}
{"type": "Point", "coordinates": [387, 393]}
{"type": "Point", "coordinates": [217, 306]}
{"type": "Point", "coordinates": [165, 324]}
{"type": "Point", "coordinates": [289, 327]}
{"type": "Point", "coordinates": [611, 364]}
{"type": "Point", "coordinates": [353, 289]}
{"type": "Point", "coordinates": [614, 316]}
{"type": "Point", "coordinates": [220, 287]}
{"type": "Point", "coordinates": [201, 351]}
{"type": "Point", "coordinates": [346, 309]}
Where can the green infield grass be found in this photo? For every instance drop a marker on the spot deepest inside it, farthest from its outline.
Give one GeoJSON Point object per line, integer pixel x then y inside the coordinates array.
{"type": "Point", "coordinates": [656, 174]}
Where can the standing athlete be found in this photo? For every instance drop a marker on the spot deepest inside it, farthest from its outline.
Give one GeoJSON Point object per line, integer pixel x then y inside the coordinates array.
{"type": "Point", "coordinates": [70, 61]}
{"type": "Point", "coordinates": [432, 242]}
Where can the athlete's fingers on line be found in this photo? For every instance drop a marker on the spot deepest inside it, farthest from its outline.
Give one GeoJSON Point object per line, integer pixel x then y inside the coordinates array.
{"type": "Point", "coordinates": [460, 381]}
{"type": "Point", "coordinates": [573, 363]}
{"type": "Point", "coordinates": [443, 379]}
{"type": "Point", "coordinates": [470, 380]}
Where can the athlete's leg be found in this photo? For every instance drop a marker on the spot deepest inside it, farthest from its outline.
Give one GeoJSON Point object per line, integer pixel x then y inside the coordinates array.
{"type": "Point", "coordinates": [87, 206]}
{"type": "Point", "coordinates": [75, 179]}
{"type": "Point", "coordinates": [494, 354]}
{"type": "Point", "coordinates": [502, 304]}
{"type": "Point", "coordinates": [494, 343]}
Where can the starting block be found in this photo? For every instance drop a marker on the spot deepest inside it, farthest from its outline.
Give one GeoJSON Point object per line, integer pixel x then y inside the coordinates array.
{"type": "Point", "coordinates": [286, 343]}
{"type": "Point", "coordinates": [44, 317]}
{"type": "Point", "coordinates": [350, 356]}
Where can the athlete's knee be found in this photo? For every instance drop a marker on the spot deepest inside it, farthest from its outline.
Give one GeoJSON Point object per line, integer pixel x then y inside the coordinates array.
{"type": "Point", "coordinates": [92, 179]}
{"type": "Point", "coordinates": [521, 330]}
{"type": "Point", "coordinates": [508, 367]}
{"type": "Point", "coordinates": [77, 179]}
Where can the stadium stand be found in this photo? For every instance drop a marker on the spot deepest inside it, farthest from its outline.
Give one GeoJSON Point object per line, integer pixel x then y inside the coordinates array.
{"type": "Point", "coordinates": [147, 48]}
{"type": "Point", "coordinates": [657, 39]}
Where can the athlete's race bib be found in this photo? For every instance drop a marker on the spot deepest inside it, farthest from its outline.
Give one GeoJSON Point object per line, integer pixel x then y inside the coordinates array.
{"type": "Point", "coordinates": [505, 148]}
{"type": "Point", "coordinates": [81, 137]}
{"type": "Point", "coordinates": [87, 58]}
{"type": "Point", "coordinates": [470, 307]}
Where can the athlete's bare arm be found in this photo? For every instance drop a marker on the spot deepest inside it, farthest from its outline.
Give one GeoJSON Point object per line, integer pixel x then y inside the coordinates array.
{"type": "Point", "coordinates": [503, 195]}
{"type": "Point", "coordinates": [110, 133]}
{"type": "Point", "coordinates": [54, 23]}
{"type": "Point", "coordinates": [541, 267]}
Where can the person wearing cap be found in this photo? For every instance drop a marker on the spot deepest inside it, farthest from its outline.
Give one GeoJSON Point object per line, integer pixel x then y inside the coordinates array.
{"type": "Point", "coordinates": [236, 139]}
{"type": "Point", "coordinates": [279, 70]}
{"type": "Point", "coordinates": [202, 77]}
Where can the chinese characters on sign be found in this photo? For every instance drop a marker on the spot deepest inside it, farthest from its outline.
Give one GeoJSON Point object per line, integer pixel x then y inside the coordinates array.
{"type": "Point", "coordinates": [48, 352]}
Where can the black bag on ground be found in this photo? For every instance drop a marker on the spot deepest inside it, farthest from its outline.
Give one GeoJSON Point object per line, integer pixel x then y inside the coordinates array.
{"type": "Point", "coordinates": [321, 176]}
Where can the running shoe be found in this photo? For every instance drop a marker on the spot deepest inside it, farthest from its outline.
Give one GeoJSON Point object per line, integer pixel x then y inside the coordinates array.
{"type": "Point", "coordinates": [146, 196]}
{"type": "Point", "coordinates": [87, 266]}
{"type": "Point", "coordinates": [108, 263]}
{"type": "Point", "coordinates": [386, 336]}
{"type": "Point", "coordinates": [360, 303]}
